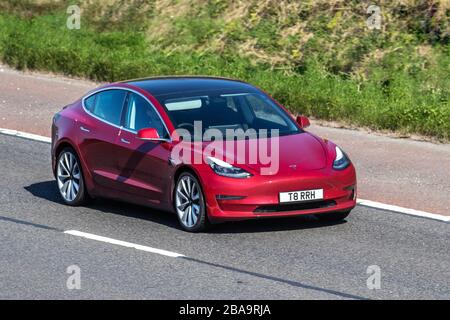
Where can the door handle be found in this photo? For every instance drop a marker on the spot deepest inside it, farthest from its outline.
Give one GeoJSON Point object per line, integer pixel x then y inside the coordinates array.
{"type": "Point", "coordinates": [124, 141]}
{"type": "Point", "coordinates": [84, 129]}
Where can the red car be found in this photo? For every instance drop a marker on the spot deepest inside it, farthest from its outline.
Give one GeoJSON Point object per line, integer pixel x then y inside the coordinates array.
{"type": "Point", "coordinates": [123, 141]}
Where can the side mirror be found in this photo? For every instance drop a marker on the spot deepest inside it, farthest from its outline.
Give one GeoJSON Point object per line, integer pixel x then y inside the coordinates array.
{"type": "Point", "coordinates": [148, 134]}
{"type": "Point", "coordinates": [303, 121]}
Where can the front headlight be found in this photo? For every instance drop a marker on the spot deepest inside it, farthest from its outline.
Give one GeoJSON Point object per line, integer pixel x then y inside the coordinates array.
{"type": "Point", "coordinates": [341, 161]}
{"type": "Point", "coordinates": [225, 169]}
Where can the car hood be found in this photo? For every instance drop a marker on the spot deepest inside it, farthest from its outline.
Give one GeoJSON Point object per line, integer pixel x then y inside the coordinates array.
{"type": "Point", "coordinates": [294, 153]}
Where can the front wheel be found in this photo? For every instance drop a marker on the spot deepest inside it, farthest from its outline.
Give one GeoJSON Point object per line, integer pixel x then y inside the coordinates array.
{"type": "Point", "coordinates": [189, 203]}
{"type": "Point", "coordinates": [333, 216]}
{"type": "Point", "coordinates": [70, 178]}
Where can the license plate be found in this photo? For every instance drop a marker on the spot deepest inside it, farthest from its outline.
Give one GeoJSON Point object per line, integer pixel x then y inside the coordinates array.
{"type": "Point", "coordinates": [303, 195]}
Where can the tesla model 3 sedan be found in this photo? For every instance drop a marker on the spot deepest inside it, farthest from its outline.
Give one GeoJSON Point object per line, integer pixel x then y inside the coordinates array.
{"type": "Point", "coordinates": [206, 149]}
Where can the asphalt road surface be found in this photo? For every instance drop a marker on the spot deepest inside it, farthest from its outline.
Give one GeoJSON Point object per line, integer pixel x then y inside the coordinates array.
{"type": "Point", "coordinates": [295, 258]}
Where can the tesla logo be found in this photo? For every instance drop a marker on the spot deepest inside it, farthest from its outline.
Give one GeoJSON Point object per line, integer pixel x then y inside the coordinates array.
{"type": "Point", "coordinates": [293, 166]}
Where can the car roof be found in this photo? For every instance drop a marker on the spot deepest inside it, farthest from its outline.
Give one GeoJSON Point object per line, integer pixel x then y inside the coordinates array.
{"type": "Point", "coordinates": [160, 86]}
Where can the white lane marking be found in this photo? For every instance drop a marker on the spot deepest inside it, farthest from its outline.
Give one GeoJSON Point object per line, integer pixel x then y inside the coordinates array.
{"type": "Point", "coordinates": [25, 135]}
{"type": "Point", "coordinates": [123, 243]}
{"type": "Point", "coordinates": [412, 212]}
{"type": "Point", "coordinates": [367, 203]}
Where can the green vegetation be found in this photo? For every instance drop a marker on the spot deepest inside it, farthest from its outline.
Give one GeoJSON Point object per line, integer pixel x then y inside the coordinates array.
{"type": "Point", "coordinates": [316, 57]}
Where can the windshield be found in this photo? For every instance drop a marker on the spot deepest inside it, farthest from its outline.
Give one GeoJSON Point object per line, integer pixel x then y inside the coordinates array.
{"type": "Point", "coordinates": [223, 111]}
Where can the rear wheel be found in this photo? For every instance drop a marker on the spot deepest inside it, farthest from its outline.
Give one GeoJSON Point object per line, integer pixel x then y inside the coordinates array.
{"type": "Point", "coordinates": [333, 216]}
{"type": "Point", "coordinates": [70, 178]}
{"type": "Point", "coordinates": [189, 203]}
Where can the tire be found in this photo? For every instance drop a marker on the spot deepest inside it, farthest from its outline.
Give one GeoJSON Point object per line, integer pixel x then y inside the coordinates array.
{"type": "Point", "coordinates": [69, 175]}
{"type": "Point", "coordinates": [189, 203]}
{"type": "Point", "coordinates": [333, 216]}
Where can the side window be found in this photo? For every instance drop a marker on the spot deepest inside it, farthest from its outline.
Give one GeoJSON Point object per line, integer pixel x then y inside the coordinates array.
{"type": "Point", "coordinates": [140, 114]}
{"type": "Point", "coordinates": [108, 105]}
{"type": "Point", "coordinates": [89, 103]}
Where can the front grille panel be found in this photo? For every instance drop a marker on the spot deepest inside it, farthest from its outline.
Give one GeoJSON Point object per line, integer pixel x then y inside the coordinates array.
{"type": "Point", "coordinates": [295, 206]}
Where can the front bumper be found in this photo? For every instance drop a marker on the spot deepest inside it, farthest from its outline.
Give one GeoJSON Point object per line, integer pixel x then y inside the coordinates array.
{"type": "Point", "coordinates": [258, 196]}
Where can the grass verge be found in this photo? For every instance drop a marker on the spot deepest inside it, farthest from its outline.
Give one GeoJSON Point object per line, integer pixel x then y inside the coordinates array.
{"type": "Point", "coordinates": [413, 100]}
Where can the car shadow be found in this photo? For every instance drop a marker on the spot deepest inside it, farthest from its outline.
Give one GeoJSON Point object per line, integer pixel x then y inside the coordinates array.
{"type": "Point", "coordinates": [48, 190]}
{"type": "Point", "coordinates": [272, 224]}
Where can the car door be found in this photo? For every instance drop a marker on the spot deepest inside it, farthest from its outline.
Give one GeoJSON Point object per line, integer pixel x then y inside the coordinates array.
{"type": "Point", "coordinates": [144, 165]}
{"type": "Point", "coordinates": [98, 135]}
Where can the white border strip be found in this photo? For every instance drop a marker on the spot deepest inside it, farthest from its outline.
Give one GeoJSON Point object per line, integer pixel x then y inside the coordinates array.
{"type": "Point", "coordinates": [123, 243]}
{"type": "Point", "coordinates": [366, 203]}
{"type": "Point", "coordinates": [25, 135]}
{"type": "Point", "coordinates": [412, 212]}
